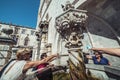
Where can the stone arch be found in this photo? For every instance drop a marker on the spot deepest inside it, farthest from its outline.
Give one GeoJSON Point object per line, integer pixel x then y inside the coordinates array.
{"type": "Point", "coordinates": [98, 26]}
{"type": "Point", "coordinates": [103, 35]}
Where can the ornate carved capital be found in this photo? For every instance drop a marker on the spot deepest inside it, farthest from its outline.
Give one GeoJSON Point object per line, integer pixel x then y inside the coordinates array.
{"type": "Point", "coordinates": [44, 26]}
{"type": "Point", "coordinates": [71, 21]}
{"type": "Point", "coordinates": [71, 25]}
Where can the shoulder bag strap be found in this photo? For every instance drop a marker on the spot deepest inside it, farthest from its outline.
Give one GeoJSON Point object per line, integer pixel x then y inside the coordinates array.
{"type": "Point", "coordinates": [10, 67]}
{"type": "Point", "coordinates": [3, 69]}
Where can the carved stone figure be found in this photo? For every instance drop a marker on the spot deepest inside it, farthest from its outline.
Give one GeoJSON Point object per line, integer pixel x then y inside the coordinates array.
{"type": "Point", "coordinates": [71, 21]}
{"type": "Point", "coordinates": [73, 41]}
{"type": "Point", "coordinates": [67, 6]}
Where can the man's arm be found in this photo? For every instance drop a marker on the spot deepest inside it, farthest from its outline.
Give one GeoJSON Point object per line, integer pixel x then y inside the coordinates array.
{"type": "Point", "coordinates": [112, 51]}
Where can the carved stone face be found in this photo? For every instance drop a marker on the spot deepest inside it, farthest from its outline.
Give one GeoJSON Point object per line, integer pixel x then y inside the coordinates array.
{"type": "Point", "coordinates": [74, 38]}
{"type": "Point", "coordinates": [70, 25]}
{"type": "Point", "coordinates": [65, 25]}
{"type": "Point", "coordinates": [73, 41]}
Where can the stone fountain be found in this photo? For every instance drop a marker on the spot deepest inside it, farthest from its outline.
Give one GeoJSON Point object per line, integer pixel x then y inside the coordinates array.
{"type": "Point", "coordinates": [71, 25]}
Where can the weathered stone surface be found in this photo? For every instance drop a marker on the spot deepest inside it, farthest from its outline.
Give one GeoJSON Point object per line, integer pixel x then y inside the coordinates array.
{"type": "Point", "coordinates": [109, 11]}
{"type": "Point", "coordinates": [113, 70]}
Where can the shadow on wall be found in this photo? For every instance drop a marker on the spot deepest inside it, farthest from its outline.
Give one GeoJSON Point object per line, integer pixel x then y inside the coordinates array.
{"type": "Point", "coordinates": [108, 12]}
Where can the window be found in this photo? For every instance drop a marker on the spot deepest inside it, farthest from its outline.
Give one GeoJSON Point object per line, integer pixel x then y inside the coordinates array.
{"type": "Point", "coordinates": [15, 37]}
{"type": "Point", "coordinates": [26, 40]}
{"type": "Point", "coordinates": [16, 30]}
{"type": "Point", "coordinates": [23, 31]}
{"type": "Point", "coordinates": [32, 32]}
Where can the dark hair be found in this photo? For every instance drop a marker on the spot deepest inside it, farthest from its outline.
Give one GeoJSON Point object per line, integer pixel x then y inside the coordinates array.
{"type": "Point", "coordinates": [100, 53]}
{"type": "Point", "coordinates": [43, 55]}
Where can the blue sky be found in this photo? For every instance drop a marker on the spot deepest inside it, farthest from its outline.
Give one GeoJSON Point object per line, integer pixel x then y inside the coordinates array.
{"type": "Point", "coordinates": [19, 12]}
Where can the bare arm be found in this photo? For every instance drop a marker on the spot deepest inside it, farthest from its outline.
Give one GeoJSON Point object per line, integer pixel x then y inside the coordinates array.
{"type": "Point", "coordinates": [51, 58]}
{"type": "Point", "coordinates": [31, 64]}
{"type": "Point", "coordinates": [112, 51]}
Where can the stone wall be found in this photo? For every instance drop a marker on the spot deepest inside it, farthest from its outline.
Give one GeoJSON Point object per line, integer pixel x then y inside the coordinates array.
{"type": "Point", "coordinates": [108, 10]}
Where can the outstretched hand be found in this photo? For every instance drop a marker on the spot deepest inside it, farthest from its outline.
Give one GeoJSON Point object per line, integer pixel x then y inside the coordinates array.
{"type": "Point", "coordinates": [57, 55]}
{"type": "Point", "coordinates": [97, 49]}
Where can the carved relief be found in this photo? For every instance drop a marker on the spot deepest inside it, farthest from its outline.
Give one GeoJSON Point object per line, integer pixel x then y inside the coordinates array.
{"type": "Point", "coordinates": [7, 31]}
{"type": "Point", "coordinates": [71, 24]}
{"type": "Point", "coordinates": [74, 40]}
{"type": "Point", "coordinates": [44, 26]}
{"type": "Point", "coordinates": [67, 6]}
{"type": "Point", "coordinates": [43, 29]}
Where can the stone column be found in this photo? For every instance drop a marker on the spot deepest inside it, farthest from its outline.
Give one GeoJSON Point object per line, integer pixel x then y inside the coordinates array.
{"type": "Point", "coordinates": [42, 38]}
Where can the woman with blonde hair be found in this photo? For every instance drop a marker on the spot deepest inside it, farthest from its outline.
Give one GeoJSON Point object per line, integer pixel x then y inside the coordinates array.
{"type": "Point", "coordinates": [16, 69]}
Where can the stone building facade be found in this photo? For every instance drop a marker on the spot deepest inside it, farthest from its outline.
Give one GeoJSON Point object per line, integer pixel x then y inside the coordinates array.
{"type": "Point", "coordinates": [22, 37]}
{"type": "Point", "coordinates": [6, 43]}
{"type": "Point", "coordinates": [25, 37]}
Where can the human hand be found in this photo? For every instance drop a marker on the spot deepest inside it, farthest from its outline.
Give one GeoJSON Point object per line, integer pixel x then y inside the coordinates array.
{"type": "Point", "coordinates": [56, 55]}
{"type": "Point", "coordinates": [95, 49]}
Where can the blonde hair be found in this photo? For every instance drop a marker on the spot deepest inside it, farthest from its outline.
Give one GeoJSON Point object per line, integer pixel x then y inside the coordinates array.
{"type": "Point", "coordinates": [23, 51]}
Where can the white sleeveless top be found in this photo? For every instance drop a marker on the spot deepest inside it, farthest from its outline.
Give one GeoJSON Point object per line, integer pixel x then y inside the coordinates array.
{"type": "Point", "coordinates": [14, 72]}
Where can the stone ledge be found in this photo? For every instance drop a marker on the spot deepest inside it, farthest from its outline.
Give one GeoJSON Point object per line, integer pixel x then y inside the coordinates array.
{"type": "Point", "coordinates": [113, 70]}
{"type": "Point", "coordinates": [95, 67]}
